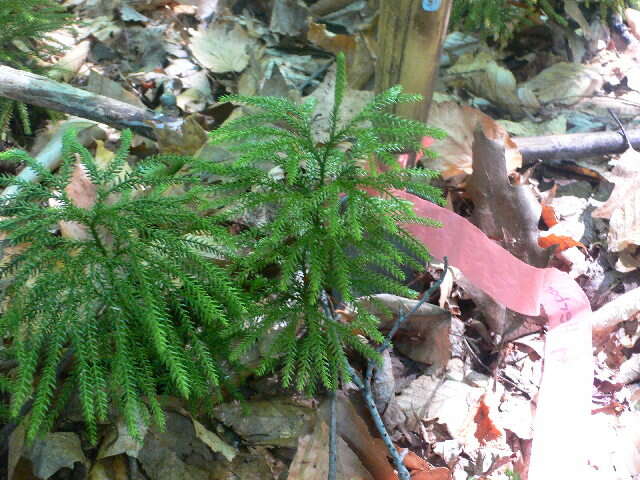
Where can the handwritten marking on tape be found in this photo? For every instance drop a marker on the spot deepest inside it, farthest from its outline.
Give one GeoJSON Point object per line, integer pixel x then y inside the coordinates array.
{"type": "Point", "coordinates": [561, 429]}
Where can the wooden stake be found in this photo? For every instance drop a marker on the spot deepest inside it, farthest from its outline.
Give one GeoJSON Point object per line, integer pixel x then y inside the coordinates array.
{"type": "Point", "coordinates": [410, 41]}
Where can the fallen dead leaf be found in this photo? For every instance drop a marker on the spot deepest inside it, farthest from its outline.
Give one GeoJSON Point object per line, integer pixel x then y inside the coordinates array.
{"type": "Point", "coordinates": [454, 161]}
{"type": "Point", "coordinates": [450, 402]}
{"type": "Point", "coordinates": [561, 242]}
{"type": "Point", "coordinates": [83, 194]}
{"type": "Point", "coordinates": [480, 73]}
{"type": "Point", "coordinates": [111, 468]}
{"type": "Point", "coordinates": [221, 48]}
{"type": "Point", "coordinates": [548, 216]}
{"type": "Point", "coordinates": [486, 429]}
{"type": "Point", "coordinates": [352, 103]}
{"type": "Point", "coordinates": [424, 336]}
{"type": "Point", "coordinates": [623, 205]}
{"type": "Point", "coordinates": [311, 461]}
{"type": "Point", "coordinates": [213, 441]}
{"type": "Point", "coordinates": [422, 470]}
{"type": "Point", "coordinates": [55, 451]}
{"type": "Point", "coordinates": [564, 83]}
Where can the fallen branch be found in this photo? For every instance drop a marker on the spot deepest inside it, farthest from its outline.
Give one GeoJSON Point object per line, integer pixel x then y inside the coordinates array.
{"type": "Point", "coordinates": [43, 92]}
{"type": "Point", "coordinates": [618, 310]}
{"type": "Point", "coordinates": [574, 145]}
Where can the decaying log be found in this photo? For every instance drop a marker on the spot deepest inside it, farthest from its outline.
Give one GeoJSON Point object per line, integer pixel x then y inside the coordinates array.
{"type": "Point", "coordinates": [40, 91]}
{"type": "Point", "coordinates": [575, 145]}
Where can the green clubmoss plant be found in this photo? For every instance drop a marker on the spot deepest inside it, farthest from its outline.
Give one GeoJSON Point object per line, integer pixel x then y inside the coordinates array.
{"type": "Point", "coordinates": [23, 26]}
{"type": "Point", "coordinates": [501, 19]}
{"type": "Point", "coordinates": [133, 298]}
{"type": "Point", "coordinates": [336, 230]}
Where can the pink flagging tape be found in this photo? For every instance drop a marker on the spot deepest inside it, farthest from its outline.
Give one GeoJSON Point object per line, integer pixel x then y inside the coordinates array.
{"type": "Point", "coordinates": [563, 411]}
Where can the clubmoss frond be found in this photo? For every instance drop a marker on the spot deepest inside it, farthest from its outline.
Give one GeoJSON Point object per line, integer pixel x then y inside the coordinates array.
{"type": "Point", "coordinates": [134, 299]}
{"type": "Point", "coordinates": [328, 236]}
{"type": "Point", "coordinates": [23, 26]}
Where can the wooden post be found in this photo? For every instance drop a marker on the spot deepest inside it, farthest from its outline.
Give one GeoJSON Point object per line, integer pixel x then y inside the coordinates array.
{"type": "Point", "coordinates": [409, 45]}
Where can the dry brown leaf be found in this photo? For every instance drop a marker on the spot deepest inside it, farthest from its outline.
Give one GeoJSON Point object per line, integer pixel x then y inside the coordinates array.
{"type": "Point", "coordinates": [625, 175]}
{"type": "Point", "coordinates": [424, 337]}
{"type": "Point", "coordinates": [185, 140]}
{"type": "Point", "coordinates": [352, 103]}
{"type": "Point", "coordinates": [80, 190]}
{"type": "Point", "coordinates": [111, 468]}
{"type": "Point", "coordinates": [83, 194]}
{"type": "Point", "coordinates": [564, 83]}
{"type": "Point", "coordinates": [629, 259]}
{"type": "Point", "coordinates": [221, 48]}
{"type": "Point", "coordinates": [481, 73]}
{"type": "Point", "coordinates": [55, 451]}
{"type": "Point", "coordinates": [358, 55]}
{"type": "Point", "coordinates": [69, 65]}
{"type": "Point", "coordinates": [455, 151]}
{"type": "Point", "coordinates": [451, 403]}
{"type": "Point", "coordinates": [561, 242]}
{"type": "Point", "coordinates": [213, 441]}
{"type": "Point", "coordinates": [623, 206]}
{"type": "Point", "coordinates": [486, 429]}
{"type": "Point", "coordinates": [311, 461]}
{"type": "Point", "coordinates": [422, 470]}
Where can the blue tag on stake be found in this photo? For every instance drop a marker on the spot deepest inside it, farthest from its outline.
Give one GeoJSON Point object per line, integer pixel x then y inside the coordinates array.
{"type": "Point", "coordinates": [431, 5]}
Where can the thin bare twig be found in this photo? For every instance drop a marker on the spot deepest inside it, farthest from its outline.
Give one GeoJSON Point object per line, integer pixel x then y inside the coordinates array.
{"type": "Point", "coordinates": [365, 384]}
{"type": "Point", "coordinates": [333, 437]}
{"type": "Point", "coordinates": [333, 413]}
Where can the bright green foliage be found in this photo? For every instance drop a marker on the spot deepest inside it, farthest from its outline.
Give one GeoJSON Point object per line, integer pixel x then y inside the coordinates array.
{"type": "Point", "coordinates": [331, 238]}
{"type": "Point", "coordinates": [501, 19]}
{"type": "Point", "coordinates": [22, 24]}
{"type": "Point", "coordinates": [131, 298]}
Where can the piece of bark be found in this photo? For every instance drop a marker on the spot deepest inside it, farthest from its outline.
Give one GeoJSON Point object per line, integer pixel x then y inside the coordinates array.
{"type": "Point", "coordinates": [40, 91]}
{"type": "Point", "coordinates": [574, 145]}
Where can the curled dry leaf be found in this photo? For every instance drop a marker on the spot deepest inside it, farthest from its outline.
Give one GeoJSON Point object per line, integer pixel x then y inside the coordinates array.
{"type": "Point", "coordinates": [454, 160]}
{"type": "Point", "coordinates": [561, 242]}
{"type": "Point", "coordinates": [422, 470]}
{"type": "Point", "coordinates": [548, 216]}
